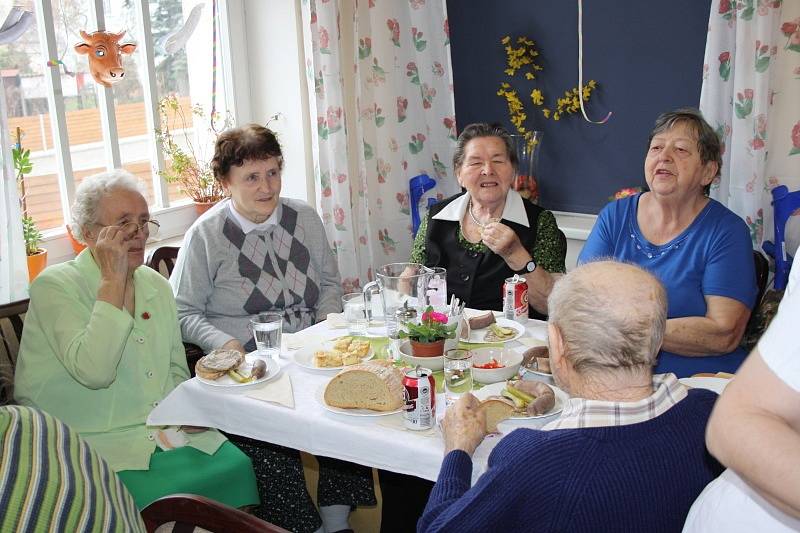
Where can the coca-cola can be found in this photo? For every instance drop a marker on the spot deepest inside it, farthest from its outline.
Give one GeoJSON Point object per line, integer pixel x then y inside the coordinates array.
{"type": "Point", "coordinates": [515, 299]}
{"type": "Point", "coordinates": [419, 389]}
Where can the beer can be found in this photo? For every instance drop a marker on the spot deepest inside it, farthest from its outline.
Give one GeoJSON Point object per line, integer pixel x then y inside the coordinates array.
{"type": "Point", "coordinates": [515, 299]}
{"type": "Point", "coordinates": [419, 389]}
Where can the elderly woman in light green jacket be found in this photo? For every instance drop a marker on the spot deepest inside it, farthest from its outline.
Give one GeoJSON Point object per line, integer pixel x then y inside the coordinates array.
{"type": "Point", "coordinates": [102, 346]}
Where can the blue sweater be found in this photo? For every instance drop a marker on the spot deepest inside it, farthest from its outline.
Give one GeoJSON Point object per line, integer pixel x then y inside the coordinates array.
{"type": "Point", "coordinates": [641, 477]}
{"type": "Point", "coordinates": [712, 257]}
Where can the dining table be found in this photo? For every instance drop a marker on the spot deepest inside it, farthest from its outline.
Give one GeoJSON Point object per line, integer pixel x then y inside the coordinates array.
{"type": "Point", "coordinates": [300, 419]}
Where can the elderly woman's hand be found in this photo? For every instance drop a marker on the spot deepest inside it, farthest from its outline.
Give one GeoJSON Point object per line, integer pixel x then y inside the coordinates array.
{"type": "Point", "coordinates": [464, 425]}
{"type": "Point", "coordinates": [501, 239]}
{"type": "Point", "coordinates": [111, 252]}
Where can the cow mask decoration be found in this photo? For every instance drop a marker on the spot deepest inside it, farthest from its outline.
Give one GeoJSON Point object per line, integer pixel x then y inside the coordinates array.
{"type": "Point", "coordinates": [105, 55]}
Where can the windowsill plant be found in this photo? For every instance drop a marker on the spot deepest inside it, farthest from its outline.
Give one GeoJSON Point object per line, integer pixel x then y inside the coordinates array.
{"type": "Point", "coordinates": [189, 165]}
{"type": "Point", "coordinates": [36, 256]}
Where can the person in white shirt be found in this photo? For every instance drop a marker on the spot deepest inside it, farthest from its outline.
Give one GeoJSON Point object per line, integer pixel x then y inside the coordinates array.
{"type": "Point", "coordinates": [755, 431]}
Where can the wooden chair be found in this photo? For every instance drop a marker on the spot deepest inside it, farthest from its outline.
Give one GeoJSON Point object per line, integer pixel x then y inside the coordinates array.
{"type": "Point", "coordinates": [189, 511]}
{"type": "Point", "coordinates": [762, 274]}
{"type": "Point", "coordinates": [11, 318]}
{"type": "Point", "coordinates": [765, 307]}
{"type": "Point", "coordinates": [162, 260]}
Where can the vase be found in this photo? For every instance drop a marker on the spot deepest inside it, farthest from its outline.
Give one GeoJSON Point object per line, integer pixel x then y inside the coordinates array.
{"type": "Point", "coordinates": [36, 263]}
{"type": "Point", "coordinates": [427, 349]}
{"type": "Point", "coordinates": [202, 207]}
{"type": "Point", "coordinates": [527, 152]}
{"type": "Point", "coordinates": [77, 246]}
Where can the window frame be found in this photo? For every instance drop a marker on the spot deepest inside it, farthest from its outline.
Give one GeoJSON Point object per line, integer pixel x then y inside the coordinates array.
{"type": "Point", "coordinates": [175, 217]}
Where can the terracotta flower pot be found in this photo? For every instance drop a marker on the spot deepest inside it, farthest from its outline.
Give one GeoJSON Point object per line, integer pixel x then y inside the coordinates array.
{"type": "Point", "coordinates": [36, 263]}
{"type": "Point", "coordinates": [427, 349]}
{"type": "Point", "coordinates": [202, 207]}
{"type": "Point", "coordinates": [77, 247]}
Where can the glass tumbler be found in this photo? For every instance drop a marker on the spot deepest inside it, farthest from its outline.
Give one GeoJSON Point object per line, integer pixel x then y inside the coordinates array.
{"type": "Point", "coordinates": [355, 313]}
{"type": "Point", "coordinates": [457, 374]}
{"type": "Point", "coordinates": [266, 329]}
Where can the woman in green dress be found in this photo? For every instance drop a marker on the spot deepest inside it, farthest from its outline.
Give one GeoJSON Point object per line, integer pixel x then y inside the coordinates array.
{"type": "Point", "coordinates": [102, 346]}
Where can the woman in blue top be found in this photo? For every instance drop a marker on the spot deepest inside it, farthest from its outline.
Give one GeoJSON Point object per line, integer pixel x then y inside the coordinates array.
{"type": "Point", "coordinates": [700, 250]}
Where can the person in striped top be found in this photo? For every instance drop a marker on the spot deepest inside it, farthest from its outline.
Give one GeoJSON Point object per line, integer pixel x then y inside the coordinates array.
{"type": "Point", "coordinates": [52, 480]}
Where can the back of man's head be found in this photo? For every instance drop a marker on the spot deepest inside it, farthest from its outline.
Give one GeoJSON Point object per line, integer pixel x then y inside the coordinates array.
{"type": "Point", "coordinates": [611, 316]}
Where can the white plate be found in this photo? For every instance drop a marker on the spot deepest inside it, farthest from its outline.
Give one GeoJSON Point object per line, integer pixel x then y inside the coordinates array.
{"type": "Point", "coordinates": [539, 373]}
{"type": "Point", "coordinates": [305, 357]}
{"type": "Point", "coordinates": [495, 389]}
{"type": "Point", "coordinates": [320, 397]}
{"type": "Point", "coordinates": [711, 383]}
{"type": "Point", "coordinates": [273, 369]}
{"type": "Point", "coordinates": [477, 336]}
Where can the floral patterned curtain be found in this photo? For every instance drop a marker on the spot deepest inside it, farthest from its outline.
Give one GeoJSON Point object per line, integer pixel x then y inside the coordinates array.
{"type": "Point", "coordinates": [751, 95]}
{"type": "Point", "coordinates": [380, 87]}
{"type": "Point", "coordinates": [13, 265]}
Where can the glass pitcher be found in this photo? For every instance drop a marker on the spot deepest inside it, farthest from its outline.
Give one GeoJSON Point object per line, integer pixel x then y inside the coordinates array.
{"type": "Point", "coordinates": [400, 285]}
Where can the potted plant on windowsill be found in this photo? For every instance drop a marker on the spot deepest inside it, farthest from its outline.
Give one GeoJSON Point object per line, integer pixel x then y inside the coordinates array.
{"type": "Point", "coordinates": [428, 336]}
{"type": "Point", "coordinates": [36, 256]}
{"type": "Point", "coordinates": [189, 165]}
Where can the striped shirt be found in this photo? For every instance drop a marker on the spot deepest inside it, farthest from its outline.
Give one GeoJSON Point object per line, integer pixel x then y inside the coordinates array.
{"type": "Point", "coordinates": [583, 413]}
{"type": "Point", "coordinates": [51, 480]}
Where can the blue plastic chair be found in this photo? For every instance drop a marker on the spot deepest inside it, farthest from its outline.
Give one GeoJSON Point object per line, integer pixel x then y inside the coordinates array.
{"type": "Point", "coordinates": [784, 203]}
{"type": "Point", "coordinates": [419, 185]}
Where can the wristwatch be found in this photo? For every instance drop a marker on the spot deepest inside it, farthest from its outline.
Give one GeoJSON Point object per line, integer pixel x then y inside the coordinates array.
{"type": "Point", "coordinates": [529, 267]}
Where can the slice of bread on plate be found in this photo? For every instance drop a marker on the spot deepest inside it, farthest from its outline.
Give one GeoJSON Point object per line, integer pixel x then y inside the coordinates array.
{"type": "Point", "coordinates": [217, 363]}
{"type": "Point", "coordinates": [374, 385]}
{"type": "Point", "coordinates": [497, 409]}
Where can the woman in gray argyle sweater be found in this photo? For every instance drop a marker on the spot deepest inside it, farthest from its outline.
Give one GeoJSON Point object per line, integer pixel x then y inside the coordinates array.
{"type": "Point", "coordinates": [256, 252]}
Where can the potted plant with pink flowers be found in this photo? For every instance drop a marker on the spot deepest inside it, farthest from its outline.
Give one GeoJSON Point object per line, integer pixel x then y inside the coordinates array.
{"type": "Point", "coordinates": [428, 336]}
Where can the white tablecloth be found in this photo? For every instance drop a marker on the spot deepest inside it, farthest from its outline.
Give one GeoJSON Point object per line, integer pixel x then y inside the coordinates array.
{"type": "Point", "coordinates": [380, 441]}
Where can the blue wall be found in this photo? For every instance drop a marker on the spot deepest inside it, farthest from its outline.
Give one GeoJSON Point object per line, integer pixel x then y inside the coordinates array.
{"type": "Point", "coordinates": [647, 56]}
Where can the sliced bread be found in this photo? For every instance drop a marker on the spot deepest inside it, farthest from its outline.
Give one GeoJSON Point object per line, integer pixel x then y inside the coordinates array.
{"type": "Point", "coordinates": [375, 385]}
{"type": "Point", "coordinates": [497, 409]}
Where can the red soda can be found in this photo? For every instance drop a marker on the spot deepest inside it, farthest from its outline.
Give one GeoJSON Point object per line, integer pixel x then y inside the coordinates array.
{"type": "Point", "coordinates": [515, 299]}
{"type": "Point", "coordinates": [419, 389]}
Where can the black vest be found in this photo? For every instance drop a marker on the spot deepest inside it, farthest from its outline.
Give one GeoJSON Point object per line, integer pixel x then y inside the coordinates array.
{"type": "Point", "coordinates": [476, 278]}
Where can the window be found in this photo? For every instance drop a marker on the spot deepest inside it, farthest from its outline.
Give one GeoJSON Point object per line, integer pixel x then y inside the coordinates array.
{"type": "Point", "coordinates": [84, 128]}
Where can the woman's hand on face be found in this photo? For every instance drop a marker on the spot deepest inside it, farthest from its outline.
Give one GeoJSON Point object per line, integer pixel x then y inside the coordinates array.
{"type": "Point", "coordinates": [111, 252]}
{"type": "Point", "coordinates": [500, 239]}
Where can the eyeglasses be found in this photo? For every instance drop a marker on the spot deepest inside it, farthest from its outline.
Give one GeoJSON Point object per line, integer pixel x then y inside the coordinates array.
{"type": "Point", "coordinates": [148, 227]}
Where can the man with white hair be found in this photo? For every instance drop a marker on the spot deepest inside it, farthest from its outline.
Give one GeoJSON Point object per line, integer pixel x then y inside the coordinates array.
{"type": "Point", "coordinates": [628, 451]}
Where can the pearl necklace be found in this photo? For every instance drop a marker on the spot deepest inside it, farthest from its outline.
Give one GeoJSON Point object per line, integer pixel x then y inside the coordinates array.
{"type": "Point", "coordinates": [480, 224]}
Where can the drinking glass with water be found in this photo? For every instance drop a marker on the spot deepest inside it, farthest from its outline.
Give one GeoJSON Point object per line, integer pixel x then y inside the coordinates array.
{"type": "Point", "coordinates": [355, 313]}
{"type": "Point", "coordinates": [266, 329]}
{"type": "Point", "coordinates": [457, 374]}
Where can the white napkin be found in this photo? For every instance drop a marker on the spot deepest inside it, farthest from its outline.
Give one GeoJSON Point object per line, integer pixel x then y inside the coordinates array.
{"type": "Point", "coordinates": [336, 321]}
{"type": "Point", "coordinates": [295, 341]}
{"type": "Point", "coordinates": [277, 391]}
{"type": "Point", "coordinates": [170, 438]}
{"type": "Point", "coordinates": [530, 342]}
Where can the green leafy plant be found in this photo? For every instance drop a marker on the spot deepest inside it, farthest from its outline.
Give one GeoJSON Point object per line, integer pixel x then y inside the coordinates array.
{"type": "Point", "coordinates": [431, 328]}
{"type": "Point", "coordinates": [190, 167]}
{"type": "Point", "coordinates": [22, 165]}
{"type": "Point", "coordinates": [32, 235]}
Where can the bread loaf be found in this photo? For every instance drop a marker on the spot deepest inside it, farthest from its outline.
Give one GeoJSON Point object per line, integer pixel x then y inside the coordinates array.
{"type": "Point", "coordinates": [497, 409]}
{"type": "Point", "coordinates": [375, 385]}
